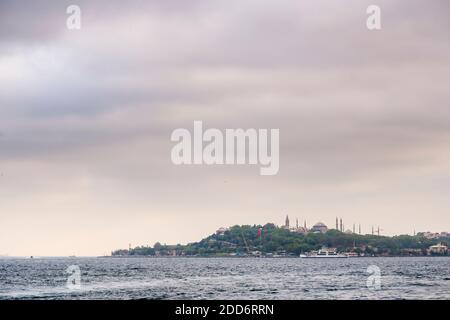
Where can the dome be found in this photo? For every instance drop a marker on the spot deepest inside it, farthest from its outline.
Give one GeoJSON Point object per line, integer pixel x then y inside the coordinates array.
{"type": "Point", "coordinates": [320, 224]}
{"type": "Point", "coordinates": [319, 227]}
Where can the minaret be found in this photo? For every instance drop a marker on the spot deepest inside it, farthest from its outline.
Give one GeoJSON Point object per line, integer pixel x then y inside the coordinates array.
{"type": "Point", "coordinates": [359, 228]}
{"type": "Point", "coordinates": [341, 226]}
{"type": "Point", "coordinates": [287, 222]}
{"type": "Point", "coordinates": [305, 224]}
{"type": "Point", "coordinates": [372, 230]}
{"type": "Point", "coordinates": [353, 228]}
{"type": "Point", "coordinates": [337, 224]}
{"type": "Point", "coordinates": [296, 223]}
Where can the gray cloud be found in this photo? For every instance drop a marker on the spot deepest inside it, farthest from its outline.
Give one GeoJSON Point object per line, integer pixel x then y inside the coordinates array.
{"type": "Point", "coordinates": [86, 116]}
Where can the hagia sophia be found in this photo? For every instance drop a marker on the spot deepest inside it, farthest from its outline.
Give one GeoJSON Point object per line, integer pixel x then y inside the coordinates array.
{"type": "Point", "coordinates": [319, 227]}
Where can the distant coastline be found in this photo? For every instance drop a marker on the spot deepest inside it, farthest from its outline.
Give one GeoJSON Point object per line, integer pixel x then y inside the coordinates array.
{"type": "Point", "coordinates": [273, 241]}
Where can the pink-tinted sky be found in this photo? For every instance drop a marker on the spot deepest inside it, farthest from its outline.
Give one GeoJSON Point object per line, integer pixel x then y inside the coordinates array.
{"type": "Point", "coordinates": [86, 117]}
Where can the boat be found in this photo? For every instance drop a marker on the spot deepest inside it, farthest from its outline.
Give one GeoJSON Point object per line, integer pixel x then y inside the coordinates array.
{"type": "Point", "coordinates": [324, 253]}
{"type": "Point", "coordinates": [351, 254]}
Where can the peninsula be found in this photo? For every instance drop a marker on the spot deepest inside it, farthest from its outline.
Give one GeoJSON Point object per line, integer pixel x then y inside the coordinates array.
{"type": "Point", "coordinates": [270, 240]}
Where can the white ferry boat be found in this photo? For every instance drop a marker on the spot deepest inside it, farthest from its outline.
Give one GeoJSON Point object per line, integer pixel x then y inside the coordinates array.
{"type": "Point", "coordinates": [324, 253]}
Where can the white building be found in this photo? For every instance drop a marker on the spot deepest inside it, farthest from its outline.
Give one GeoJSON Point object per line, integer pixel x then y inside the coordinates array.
{"type": "Point", "coordinates": [438, 249]}
{"type": "Point", "coordinates": [221, 231]}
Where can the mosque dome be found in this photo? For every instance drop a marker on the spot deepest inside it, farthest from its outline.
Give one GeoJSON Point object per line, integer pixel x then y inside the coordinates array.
{"type": "Point", "coordinates": [319, 227]}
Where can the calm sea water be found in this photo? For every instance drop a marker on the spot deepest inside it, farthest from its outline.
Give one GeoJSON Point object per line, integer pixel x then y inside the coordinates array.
{"type": "Point", "coordinates": [225, 278]}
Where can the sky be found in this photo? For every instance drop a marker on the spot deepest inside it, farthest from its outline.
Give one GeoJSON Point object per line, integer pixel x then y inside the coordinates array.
{"type": "Point", "coordinates": [86, 118]}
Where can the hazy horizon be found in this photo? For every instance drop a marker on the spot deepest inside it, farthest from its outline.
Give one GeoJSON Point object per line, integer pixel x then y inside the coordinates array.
{"type": "Point", "coordinates": [86, 118]}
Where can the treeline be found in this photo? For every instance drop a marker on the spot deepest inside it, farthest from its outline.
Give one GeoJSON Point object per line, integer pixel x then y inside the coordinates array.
{"type": "Point", "coordinates": [241, 240]}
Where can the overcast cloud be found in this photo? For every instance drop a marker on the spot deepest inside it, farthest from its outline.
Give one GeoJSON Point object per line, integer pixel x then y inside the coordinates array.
{"type": "Point", "coordinates": [86, 117]}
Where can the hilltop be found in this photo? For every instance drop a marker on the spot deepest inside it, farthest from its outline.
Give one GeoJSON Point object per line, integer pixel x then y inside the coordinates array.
{"type": "Point", "coordinates": [272, 240]}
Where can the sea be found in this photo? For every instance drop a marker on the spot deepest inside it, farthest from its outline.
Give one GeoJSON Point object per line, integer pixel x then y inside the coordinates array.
{"type": "Point", "coordinates": [225, 278]}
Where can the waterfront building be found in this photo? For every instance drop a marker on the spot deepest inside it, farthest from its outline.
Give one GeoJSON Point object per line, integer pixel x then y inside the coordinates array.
{"type": "Point", "coordinates": [438, 249]}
